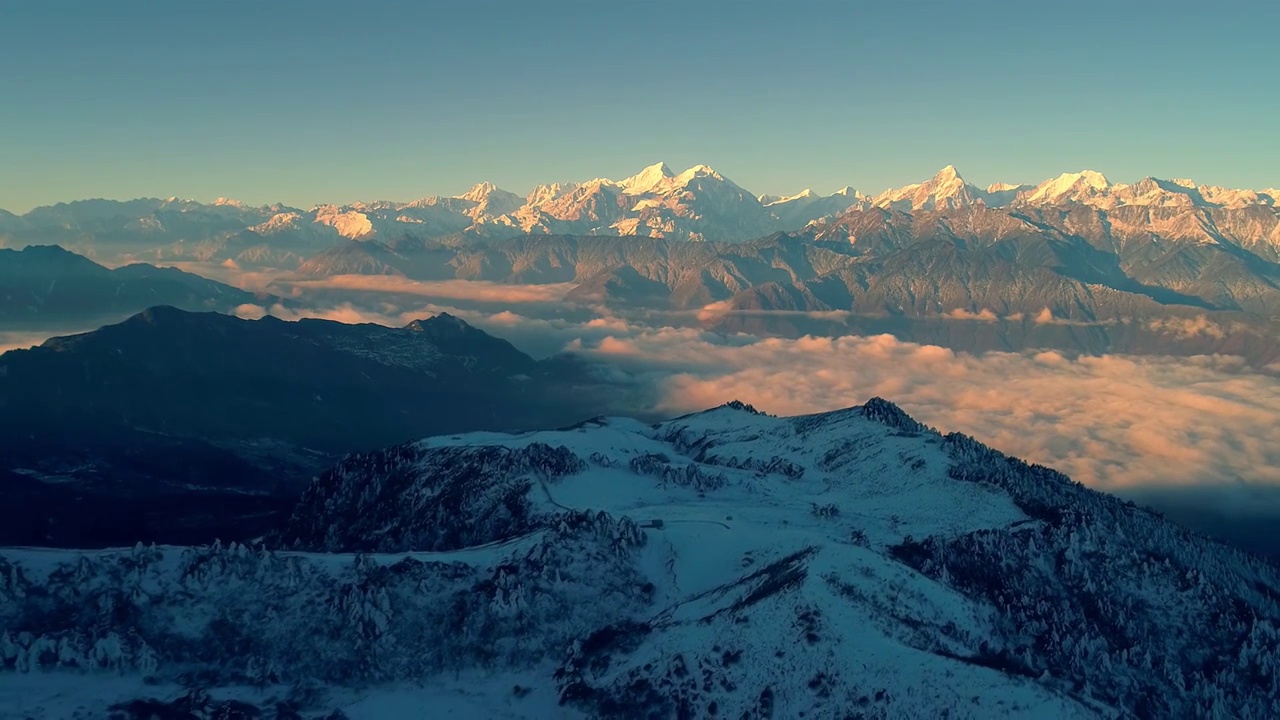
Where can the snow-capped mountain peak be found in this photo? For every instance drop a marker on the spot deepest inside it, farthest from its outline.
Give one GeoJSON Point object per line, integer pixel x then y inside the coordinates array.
{"type": "Point", "coordinates": [948, 173]}
{"type": "Point", "coordinates": [647, 180]}
{"type": "Point", "coordinates": [549, 191]}
{"type": "Point", "coordinates": [478, 192]}
{"type": "Point", "coordinates": [945, 189]}
{"type": "Point", "coordinates": [998, 187]}
{"type": "Point", "coordinates": [696, 204]}
{"type": "Point", "coordinates": [1069, 186]}
{"type": "Point", "coordinates": [805, 194]}
{"type": "Point", "coordinates": [349, 223]}
{"type": "Point", "coordinates": [658, 179]}
{"type": "Point", "coordinates": [490, 202]}
{"type": "Point", "coordinates": [279, 222]}
{"type": "Point", "coordinates": [807, 206]}
{"type": "Point", "coordinates": [697, 171]}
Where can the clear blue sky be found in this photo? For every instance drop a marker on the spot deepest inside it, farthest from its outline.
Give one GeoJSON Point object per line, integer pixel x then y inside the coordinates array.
{"type": "Point", "coordinates": [307, 102]}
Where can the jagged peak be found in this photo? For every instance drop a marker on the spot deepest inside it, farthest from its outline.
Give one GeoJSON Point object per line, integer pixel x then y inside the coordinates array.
{"type": "Point", "coordinates": [887, 413]}
{"type": "Point", "coordinates": [739, 405]}
{"type": "Point", "coordinates": [549, 191]}
{"type": "Point", "coordinates": [948, 173]}
{"type": "Point", "coordinates": [441, 320]}
{"type": "Point", "coordinates": [731, 406]}
{"type": "Point", "coordinates": [480, 192]}
{"type": "Point", "coordinates": [947, 187]}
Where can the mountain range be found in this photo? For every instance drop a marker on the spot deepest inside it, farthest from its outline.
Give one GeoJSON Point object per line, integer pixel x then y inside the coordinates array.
{"type": "Point", "coordinates": [971, 278]}
{"type": "Point", "coordinates": [194, 425]}
{"type": "Point", "coordinates": [697, 204]}
{"type": "Point", "coordinates": [1074, 263]}
{"type": "Point", "coordinates": [722, 564]}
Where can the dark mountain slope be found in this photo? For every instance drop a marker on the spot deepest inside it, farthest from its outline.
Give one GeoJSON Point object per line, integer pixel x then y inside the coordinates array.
{"type": "Point", "coordinates": [44, 287]}
{"type": "Point", "coordinates": [202, 401]}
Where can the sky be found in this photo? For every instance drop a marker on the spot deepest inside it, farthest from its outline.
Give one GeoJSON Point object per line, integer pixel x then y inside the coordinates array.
{"type": "Point", "coordinates": [321, 101]}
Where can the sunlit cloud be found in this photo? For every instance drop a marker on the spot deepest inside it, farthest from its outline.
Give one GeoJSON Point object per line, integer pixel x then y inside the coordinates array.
{"type": "Point", "coordinates": [342, 312]}
{"type": "Point", "coordinates": [22, 340]}
{"type": "Point", "coordinates": [983, 315]}
{"type": "Point", "coordinates": [1113, 422]}
{"type": "Point", "coordinates": [724, 308]}
{"type": "Point", "coordinates": [1190, 327]}
{"type": "Point", "coordinates": [472, 290]}
{"type": "Point", "coordinates": [230, 273]}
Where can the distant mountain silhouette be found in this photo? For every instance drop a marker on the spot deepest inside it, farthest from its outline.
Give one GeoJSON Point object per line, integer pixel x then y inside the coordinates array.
{"type": "Point", "coordinates": [170, 401]}
{"type": "Point", "coordinates": [45, 286]}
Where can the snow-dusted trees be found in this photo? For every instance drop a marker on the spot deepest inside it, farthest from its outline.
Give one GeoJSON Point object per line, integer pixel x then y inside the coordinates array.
{"type": "Point", "coordinates": [249, 615]}
{"type": "Point", "coordinates": [413, 498]}
{"type": "Point", "coordinates": [1089, 593]}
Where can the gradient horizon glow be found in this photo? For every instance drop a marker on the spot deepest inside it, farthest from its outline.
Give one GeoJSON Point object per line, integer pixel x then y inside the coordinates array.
{"type": "Point", "coordinates": [314, 102]}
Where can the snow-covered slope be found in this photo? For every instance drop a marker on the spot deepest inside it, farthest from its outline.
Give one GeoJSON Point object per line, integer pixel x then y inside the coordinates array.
{"type": "Point", "coordinates": [728, 563]}
{"type": "Point", "coordinates": [796, 211]}
{"type": "Point", "coordinates": [1079, 187]}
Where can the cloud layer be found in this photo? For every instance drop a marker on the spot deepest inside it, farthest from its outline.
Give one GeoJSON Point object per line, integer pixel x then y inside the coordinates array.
{"type": "Point", "coordinates": [1113, 422]}
{"type": "Point", "coordinates": [470, 290]}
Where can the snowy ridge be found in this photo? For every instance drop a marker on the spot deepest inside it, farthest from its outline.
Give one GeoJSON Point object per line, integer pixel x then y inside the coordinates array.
{"type": "Point", "coordinates": [726, 563]}
{"type": "Point", "coordinates": [699, 203]}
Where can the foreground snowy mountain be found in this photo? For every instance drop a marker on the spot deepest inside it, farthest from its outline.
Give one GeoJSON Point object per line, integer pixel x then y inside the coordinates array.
{"type": "Point", "coordinates": [728, 563]}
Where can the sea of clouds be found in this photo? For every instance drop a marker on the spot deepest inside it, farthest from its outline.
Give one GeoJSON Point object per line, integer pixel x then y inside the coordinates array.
{"type": "Point", "coordinates": [1198, 433]}
{"type": "Point", "coordinates": [1112, 421]}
